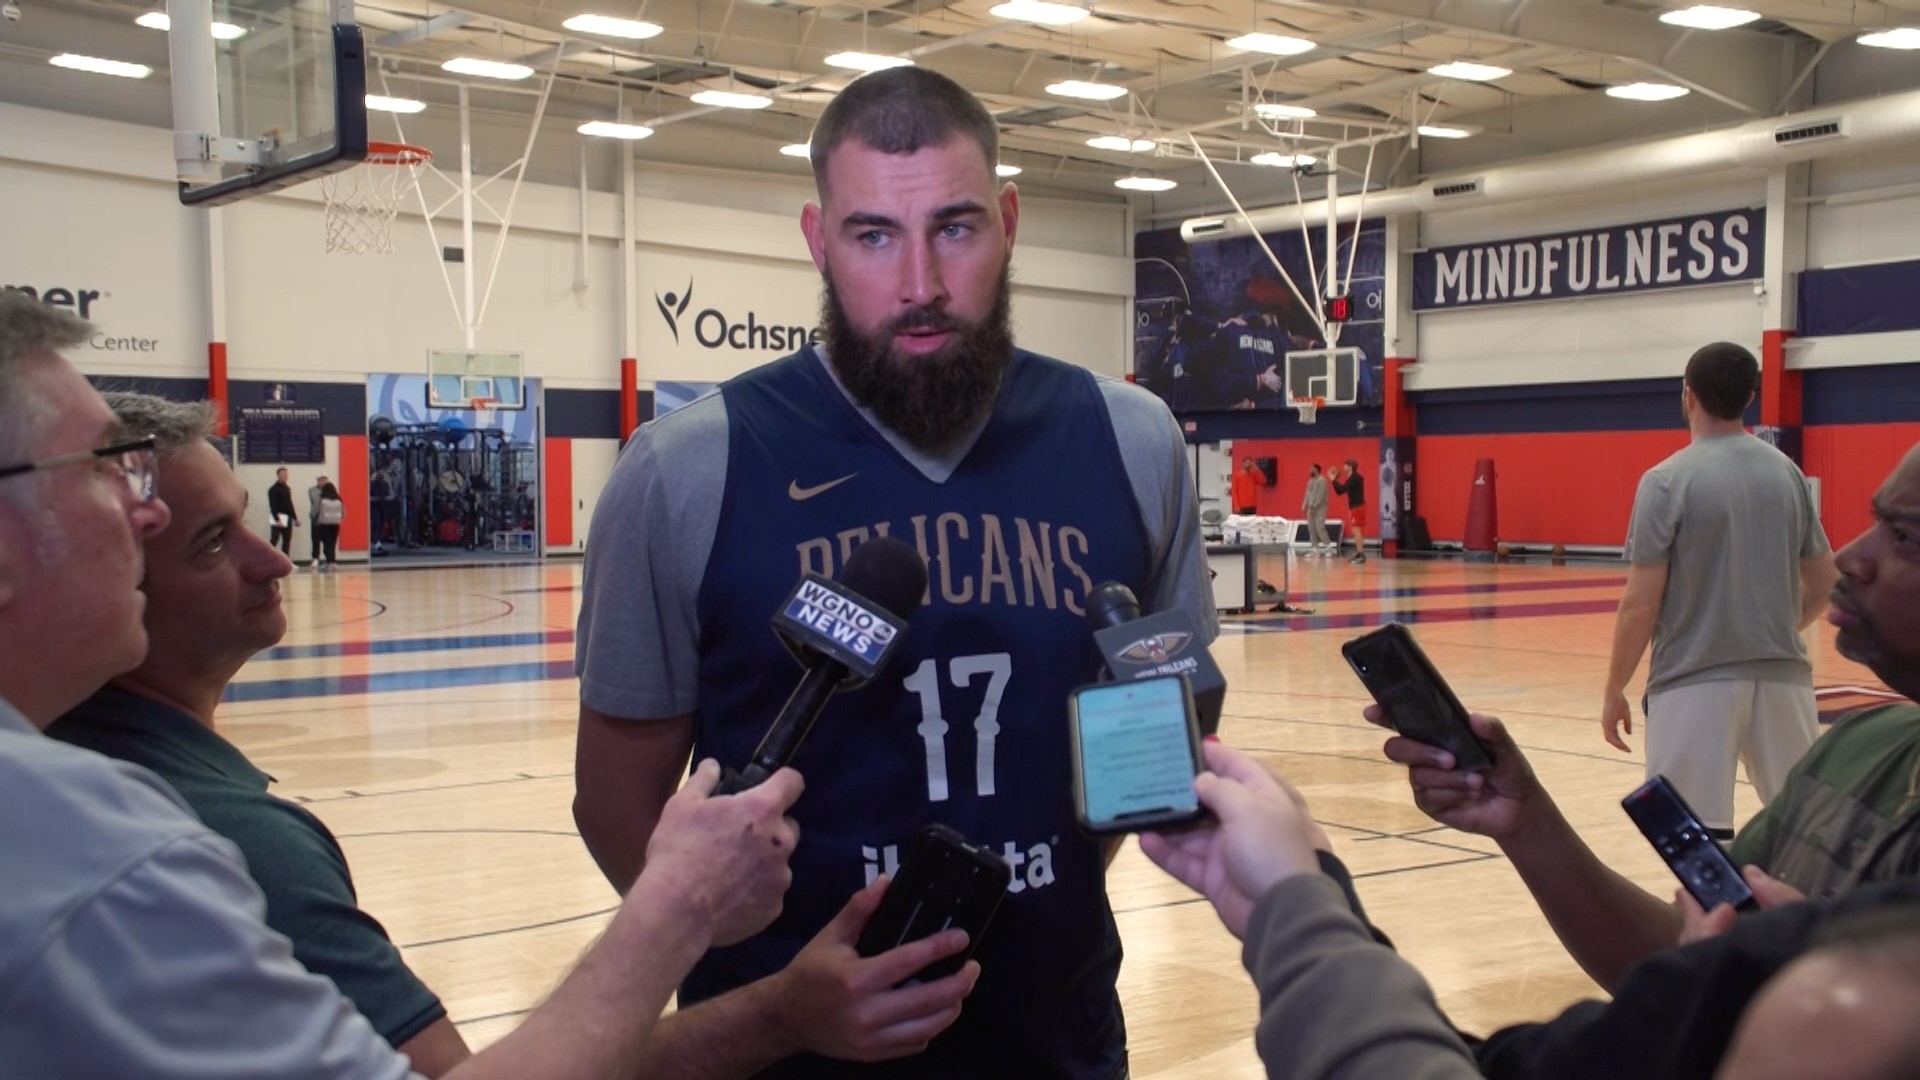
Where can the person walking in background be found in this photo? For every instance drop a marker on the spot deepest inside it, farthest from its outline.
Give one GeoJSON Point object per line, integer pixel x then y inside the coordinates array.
{"type": "Point", "coordinates": [313, 516]}
{"type": "Point", "coordinates": [1246, 488]}
{"type": "Point", "coordinates": [380, 503]}
{"type": "Point", "coordinates": [1353, 484]}
{"type": "Point", "coordinates": [326, 526]}
{"type": "Point", "coordinates": [1729, 565]}
{"type": "Point", "coordinates": [1315, 507]}
{"type": "Point", "coordinates": [280, 509]}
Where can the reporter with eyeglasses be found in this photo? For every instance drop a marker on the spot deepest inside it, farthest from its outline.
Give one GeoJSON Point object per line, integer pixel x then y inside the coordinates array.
{"type": "Point", "coordinates": [131, 938]}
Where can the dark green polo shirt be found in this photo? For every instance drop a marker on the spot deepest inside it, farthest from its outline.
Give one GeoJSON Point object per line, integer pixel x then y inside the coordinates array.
{"type": "Point", "coordinates": [291, 855]}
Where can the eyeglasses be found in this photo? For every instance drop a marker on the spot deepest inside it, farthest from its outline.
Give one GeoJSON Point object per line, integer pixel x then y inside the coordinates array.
{"type": "Point", "coordinates": [135, 460]}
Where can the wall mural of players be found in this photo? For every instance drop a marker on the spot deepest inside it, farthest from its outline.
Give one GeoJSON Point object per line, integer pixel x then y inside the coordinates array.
{"type": "Point", "coordinates": [1213, 322]}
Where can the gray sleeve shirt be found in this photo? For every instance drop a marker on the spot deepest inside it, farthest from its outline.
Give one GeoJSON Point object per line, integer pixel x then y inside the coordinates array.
{"type": "Point", "coordinates": [132, 940]}
{"type": "Point", "coordinates": [1731, 518]}
{"type": "Point", "coordinates": [637, 652]}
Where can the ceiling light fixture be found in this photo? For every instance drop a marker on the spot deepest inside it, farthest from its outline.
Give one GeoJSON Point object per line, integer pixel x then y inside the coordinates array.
{"type": "Point", "coordinates": [1274, 110]}
{"type": "Point", "coordinates": [607, 129]}
{"type": "Point", "coordinates": [1282, 161]}
{"type": "Point", "coordinates": [97, 66]}
{"type": "Point", "coordinates": [798, 149]}
{"type": "Point", "coordinates": [382, 103]}
{"type": "Point", "coordinates": [158, 20]}
{"type": "Point", "coordinates": [1275, 44]}
{"type": "Point", "coordinates": [1648, 91]}
{"type": "Point", "coordinates": [1006, 170]}
{"type": "Point", "coordinates": [487, 69]}
{"type": "Point", "coordinates": [1121, 143]}
{"type": "Point", "coordinates": [860, 61]}
{"type": "Point", "coordinates": [1040, 11]}
{"type": "Point", "coordinates": [1089, 91]}
{"type": "Point", "coordinates": [1900, 37]}
{"type": "Point", "coordinates": [1441, 131]}
{"type": "Point", "coordinates": [608, 26]}
{"type": "Point", "coordinates": [1709, 17]}
{"type": "Point", "coordinates": [729, 99]}
{"type": "Point", "coordinates": [1470, 71]}
{"type": "Point", "coordinates": [1145, 183]}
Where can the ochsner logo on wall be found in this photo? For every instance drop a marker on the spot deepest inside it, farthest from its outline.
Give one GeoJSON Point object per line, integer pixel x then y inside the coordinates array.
{"type": "Point", "coordinates": [741, 328]}
{"type": "Point", "coordinates": [87, 304]}
{"type": "Point", "coordinates": [1704, 249]}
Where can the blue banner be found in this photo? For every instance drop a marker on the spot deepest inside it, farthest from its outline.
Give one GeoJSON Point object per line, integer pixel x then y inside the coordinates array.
{"type": "Point", "coordinates": [1875, 299]}
{"type": "Point", "coordinates": [1702, 249]}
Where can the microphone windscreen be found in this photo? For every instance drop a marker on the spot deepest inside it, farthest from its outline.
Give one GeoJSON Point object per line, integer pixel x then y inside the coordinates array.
{"type": "Point", "coordinates": [1111, 604]}
{"type": "Point", "coordinates": [889, 572]}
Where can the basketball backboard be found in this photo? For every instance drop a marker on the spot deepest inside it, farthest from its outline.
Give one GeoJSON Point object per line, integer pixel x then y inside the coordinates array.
{"type": "Point", "coordinates": [457, 378]}
{"type": "Point", "coordinates": [266, 94]}
{"type": "Point", "coordinates": [1330, 374]}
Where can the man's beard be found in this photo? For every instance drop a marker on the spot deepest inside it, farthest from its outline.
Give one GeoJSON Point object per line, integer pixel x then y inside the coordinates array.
{"type": "Point", "coordinates": [930, 400]}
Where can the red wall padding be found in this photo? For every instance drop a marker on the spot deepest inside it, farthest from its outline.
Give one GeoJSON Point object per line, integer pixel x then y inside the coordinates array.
{"type": "Point", "coordinates": [1851, 460]}
{"type": "Point", "coordinates": [559, 469]}
{"type": "Point", "coordinates": [1573, 488]}
{"type": "Point", "coordinates": [1295, 455]}
{"type": "Point", "coordinates": [352, 482]}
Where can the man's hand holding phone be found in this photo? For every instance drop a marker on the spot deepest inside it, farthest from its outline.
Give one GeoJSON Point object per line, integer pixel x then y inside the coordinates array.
{"type": "Point", "coordinates": [1494, 802]}
{"type": "Point", "coordinates": [1698, 925]}
{"type": "Point", "coordinates": [1261, 836]}
{"type": "Point", "coordinates": [841, 1005]}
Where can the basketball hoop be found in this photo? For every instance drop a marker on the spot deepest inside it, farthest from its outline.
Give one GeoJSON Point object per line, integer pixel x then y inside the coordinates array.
{"type": "Point", "coordinates": [362, 201]}
{"type": "Point", "coordinates": [1308, 408]}
{"type": "Point", "coordinates": [481, 408]}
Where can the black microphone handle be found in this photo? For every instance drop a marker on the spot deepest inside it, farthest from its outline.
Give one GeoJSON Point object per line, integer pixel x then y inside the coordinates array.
{"type": "Point", "coordinates": [796, 719]}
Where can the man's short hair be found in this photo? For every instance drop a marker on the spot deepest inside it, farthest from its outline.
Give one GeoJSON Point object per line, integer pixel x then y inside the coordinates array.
{"type": "Point", "coordinates": [1352, 464]}
{"type": "Point", "coordinates": [1723, 377]}
{"type": "Point", "coordinates": [173, 424]}
{"type": "Point", "coordinates": [898, 111]}
{"type": "Point", "coordinates": [28, 328]}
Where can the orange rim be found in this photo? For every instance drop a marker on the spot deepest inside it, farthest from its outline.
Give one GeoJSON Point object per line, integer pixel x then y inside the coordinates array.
{"type": "Point", "coordinates": [388, 153]}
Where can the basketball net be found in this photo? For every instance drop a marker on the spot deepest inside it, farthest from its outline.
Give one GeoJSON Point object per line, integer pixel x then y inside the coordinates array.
{"type": "Point", "coordinates": [483, 410]}
{"type": "Point", "coordinates": [363, 201]}
{"type": "Point", "coordinates": [1308, 408]}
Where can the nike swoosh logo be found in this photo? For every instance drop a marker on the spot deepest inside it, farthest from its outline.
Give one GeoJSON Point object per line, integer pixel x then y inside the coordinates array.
{"type": "Point", "coordinates": [800, 494]}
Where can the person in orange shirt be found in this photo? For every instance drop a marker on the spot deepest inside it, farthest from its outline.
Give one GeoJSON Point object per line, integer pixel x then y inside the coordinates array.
{"type": "Point", "coordinates": [1246, 483]}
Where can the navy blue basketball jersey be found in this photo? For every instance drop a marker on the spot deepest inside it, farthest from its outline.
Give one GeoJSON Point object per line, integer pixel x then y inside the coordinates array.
{"type": "Point", "coordinates": [968, 727]}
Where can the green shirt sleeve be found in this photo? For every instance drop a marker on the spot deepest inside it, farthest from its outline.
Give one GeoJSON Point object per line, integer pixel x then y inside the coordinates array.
{"type": "Point", "coordinates": [310, 898]}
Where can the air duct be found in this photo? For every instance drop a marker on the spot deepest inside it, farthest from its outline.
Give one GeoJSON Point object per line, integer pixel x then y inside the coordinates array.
{"type": "Point", "coordinates": [1829, 131]}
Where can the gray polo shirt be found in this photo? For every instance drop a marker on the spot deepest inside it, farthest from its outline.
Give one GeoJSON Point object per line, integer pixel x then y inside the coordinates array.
{"type": "Point", "coordinates": [132, 940]}
{"type": "Point", "coordinates": [1731, 517]}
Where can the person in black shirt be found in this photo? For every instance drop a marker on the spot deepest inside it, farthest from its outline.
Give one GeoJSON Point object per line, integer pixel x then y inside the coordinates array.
{"type": "Point", "coordinates": [280, 509]}
{"type": "Point", "coordinates": [1353, 484]}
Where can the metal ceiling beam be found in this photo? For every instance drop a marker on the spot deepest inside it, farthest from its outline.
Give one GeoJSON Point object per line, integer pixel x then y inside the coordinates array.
{"type": "Point", "coordinates": [446, 20]}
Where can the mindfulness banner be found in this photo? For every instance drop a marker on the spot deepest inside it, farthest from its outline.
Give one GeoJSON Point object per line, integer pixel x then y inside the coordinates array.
{"type": "Point", "coordinates": [1701, 249]}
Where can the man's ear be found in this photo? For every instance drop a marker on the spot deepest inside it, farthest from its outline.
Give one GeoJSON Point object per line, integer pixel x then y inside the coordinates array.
{"type": "Point", "coordinates": [813, 224]}
{"type": "Point", "coordinates": [16, 548]}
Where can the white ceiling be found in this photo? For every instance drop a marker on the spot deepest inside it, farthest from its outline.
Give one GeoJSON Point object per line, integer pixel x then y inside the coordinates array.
{"type": "Point", "coordinates": [1367, 76]}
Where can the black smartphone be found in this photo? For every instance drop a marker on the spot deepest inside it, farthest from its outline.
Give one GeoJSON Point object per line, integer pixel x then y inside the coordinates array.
{"type": "Point", "coordinates": [1136, 750]}
{"type": "Point", "coordinates": [944, 883]}
{"type": "Point", "coordinates": [1687, 846]}
{"type": "Point", "coordinates": [1418, 702]}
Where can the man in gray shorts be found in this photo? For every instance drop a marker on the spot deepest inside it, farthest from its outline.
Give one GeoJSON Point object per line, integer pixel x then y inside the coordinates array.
{"type": "Point", "coordinates": [1729, 565]}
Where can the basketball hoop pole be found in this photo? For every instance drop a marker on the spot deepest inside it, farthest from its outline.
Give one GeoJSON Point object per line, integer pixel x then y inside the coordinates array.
{"type": "Point", "coordinates": [196, 101]}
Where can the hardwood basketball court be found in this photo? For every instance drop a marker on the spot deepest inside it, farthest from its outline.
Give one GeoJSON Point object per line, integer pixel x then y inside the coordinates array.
{"type": "Point", "coordinates": [428, 716]}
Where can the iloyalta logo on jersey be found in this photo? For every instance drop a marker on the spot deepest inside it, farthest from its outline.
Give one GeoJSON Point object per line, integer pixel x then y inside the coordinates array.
{"type": "Point", "coordinates": [672, 307]}
{"type": "Point", "coordinates": [1032, 863]}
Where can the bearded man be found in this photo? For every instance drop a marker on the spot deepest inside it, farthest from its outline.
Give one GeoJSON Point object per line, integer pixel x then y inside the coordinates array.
{"type": "Point", "coordinates": [1024, 481]}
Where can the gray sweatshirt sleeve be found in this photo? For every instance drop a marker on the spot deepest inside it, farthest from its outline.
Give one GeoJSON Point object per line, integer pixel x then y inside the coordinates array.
{"type": "Point", "coordinates": [1336, 1004]}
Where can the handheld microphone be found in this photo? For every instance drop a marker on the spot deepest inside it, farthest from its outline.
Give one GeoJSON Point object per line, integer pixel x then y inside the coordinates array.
{"type": "Point", "coordinates": [1164, 643]}
{"type": "Point", "coordinates": [843, 632]}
